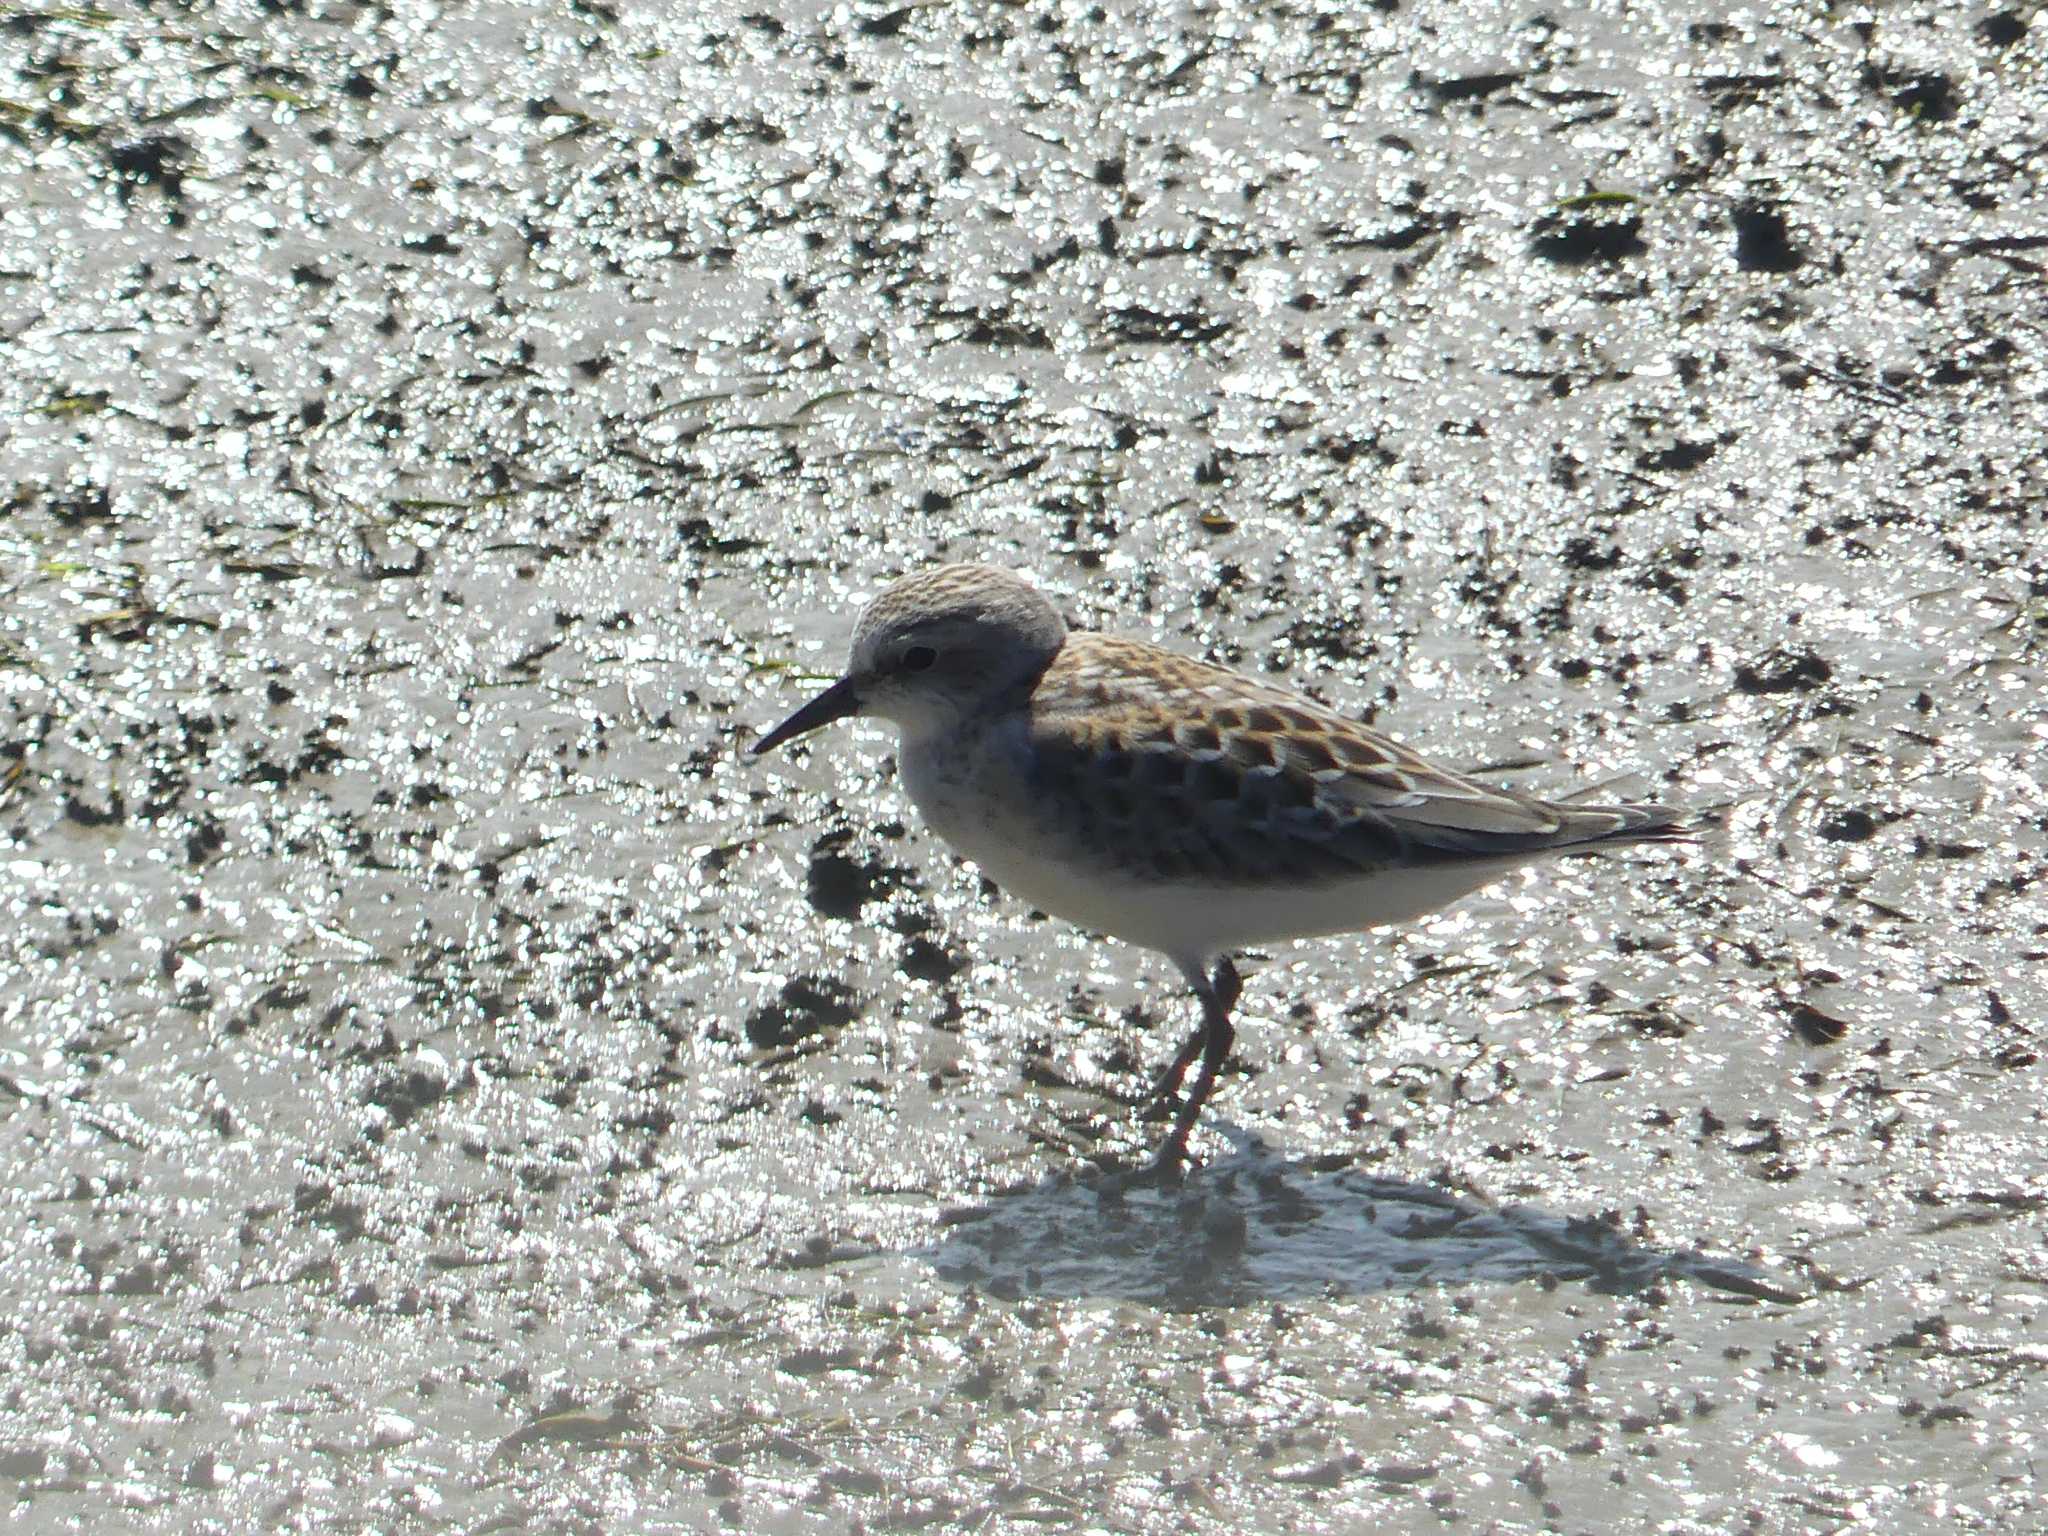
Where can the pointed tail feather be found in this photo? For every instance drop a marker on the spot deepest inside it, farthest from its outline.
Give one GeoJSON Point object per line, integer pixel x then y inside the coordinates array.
{"type": "Point", "coordinates": [1590, 827]}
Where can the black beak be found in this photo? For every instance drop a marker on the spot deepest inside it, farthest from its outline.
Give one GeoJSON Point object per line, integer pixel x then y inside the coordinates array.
{"type": "Point", "coordinates": [835, 703]}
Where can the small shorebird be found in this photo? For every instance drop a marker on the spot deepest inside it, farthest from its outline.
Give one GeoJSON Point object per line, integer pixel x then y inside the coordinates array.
{"type": "Point", "coordinates": [1173, 804]}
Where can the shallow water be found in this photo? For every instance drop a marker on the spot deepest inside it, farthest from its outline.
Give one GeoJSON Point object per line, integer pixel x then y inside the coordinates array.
{"type": "Point", "coordinates": [446, 1087]}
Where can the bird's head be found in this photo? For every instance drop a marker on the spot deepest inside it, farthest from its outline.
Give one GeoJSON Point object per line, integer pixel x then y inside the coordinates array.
{"type": "Point", "coordinates": [935, 648]}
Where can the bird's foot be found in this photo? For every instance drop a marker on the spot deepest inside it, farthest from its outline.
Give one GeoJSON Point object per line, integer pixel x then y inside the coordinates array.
{"type": "Point", "coordinates": [1166, 1169]}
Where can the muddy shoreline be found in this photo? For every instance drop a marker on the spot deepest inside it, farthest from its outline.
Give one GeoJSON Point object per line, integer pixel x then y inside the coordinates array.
{"type": "Point", "coordinates": [446, 1086]}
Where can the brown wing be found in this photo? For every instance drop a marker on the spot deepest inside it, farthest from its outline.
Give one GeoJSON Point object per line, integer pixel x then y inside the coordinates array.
{"type": "Point", "coordinates": [1189, 770]}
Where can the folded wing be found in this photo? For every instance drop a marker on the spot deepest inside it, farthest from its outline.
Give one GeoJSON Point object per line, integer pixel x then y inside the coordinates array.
{"type": "Point", "coordinates": [1189, 771]}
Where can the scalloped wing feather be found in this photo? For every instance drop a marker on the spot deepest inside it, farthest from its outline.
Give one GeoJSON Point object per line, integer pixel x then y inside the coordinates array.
{"type": "Point", "coordinates": [1181, 769]}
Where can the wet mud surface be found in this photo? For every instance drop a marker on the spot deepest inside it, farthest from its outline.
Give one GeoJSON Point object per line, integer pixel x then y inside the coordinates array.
{"type": "Point", "coordinates": [445, 1087]}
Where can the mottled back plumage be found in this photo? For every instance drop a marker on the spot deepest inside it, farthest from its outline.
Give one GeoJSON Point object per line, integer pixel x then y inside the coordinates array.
{"type": "Point", "coordinates": [1191, 769]}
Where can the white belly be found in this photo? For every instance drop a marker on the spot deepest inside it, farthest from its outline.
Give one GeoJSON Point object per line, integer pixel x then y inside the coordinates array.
{"type": "Point", "coordinates": [1200, 921]}
{"type": "Point", "coordinates": [1014, 843]}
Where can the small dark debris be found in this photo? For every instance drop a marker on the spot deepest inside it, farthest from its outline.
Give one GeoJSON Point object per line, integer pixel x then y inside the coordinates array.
{"type": "Point", "coordinates": [1585, 553]}
{"type": "Point", "coordinates": [699, 534]}
{"type": "Point", "coordinates": [978, 1385]}
{"type": "Point", "coordinates": [1813, 1026]}
{"type": "Point", "coordinates": [1993, 245]}
{"type": "Point", "coordinates": [152, 161]}
{"type": "Point", "coordinates": [1680, 456]}
{"type": "Point", "coordinates": [1769, 1142]}
{"type": "Point", "coordinates": [83, 504]}
{"type": "Point", "coordinates": [1002, 333]}
{"type": "Point", "coordinates": [889, 23]}
{"type": "Point", "coordinates": [1582, 236]}
{"type": "Point", "coordinates": [319, 1204]}
{"type": "Point", "coordinates": [403, 1095]}
{"type": "Point", "coordinates": [1403, 236]}
{"type": "Point", "coordinates": [385, 557]}
{"type": "Point", "coordinates": [1851, 826]}
{"type": "Point", "coordinates": [1471, 87]}
{"type": "Point", "coordinates": [814, 1362]}
{"type": "Point", "coordinates": [1930, 97]}
{"type": "Point", "coordinates": [840, 886]}
{"type": "Point", "coordinates": [1762, 243]}
{"type": "Point", "coordinates": [853, 1480]}
{"type": "Point", "coordinates": [1972, 361]}
{"type": "Point", "coordinates": [2003, 29]}
{"type": "Point", "coordinates": [1782, 671]}
{"type": "Point", "coordinates": [1657, 1024]}
{"type": "Point", "coordinates": [86, 815]}
{"type": "Point", "coordinates": [1137, 324]}
{"type": "Point", "coordinates": [1334, 1473]}
{"type": "Point", "coordinates": [808, 1006]}
{"type": "Point", "coordinates": [925, 961]}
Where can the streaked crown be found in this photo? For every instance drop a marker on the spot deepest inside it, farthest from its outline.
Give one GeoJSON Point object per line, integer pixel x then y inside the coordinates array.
{"type": "Point", "coordinates": [974, 600]}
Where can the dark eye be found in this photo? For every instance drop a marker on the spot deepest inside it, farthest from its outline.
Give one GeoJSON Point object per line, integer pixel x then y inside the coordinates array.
{"type": "Point", "coordinates": [919, 658]}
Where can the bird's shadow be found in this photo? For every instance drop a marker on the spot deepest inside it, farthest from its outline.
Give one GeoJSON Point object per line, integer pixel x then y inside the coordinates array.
{"type": "Point", "coordinates": [1257, 1227]}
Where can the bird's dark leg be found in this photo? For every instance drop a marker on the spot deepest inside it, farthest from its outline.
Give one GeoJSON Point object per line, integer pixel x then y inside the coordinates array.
{"type": "Point", "coordinates": [1217, 994]}
{"type": "Point", "coordinates": [1229, 986]}
{"type": "Point", "coordinates": [1168, 1087]}
{"type": "Point", "coordinates": [1226, 984]}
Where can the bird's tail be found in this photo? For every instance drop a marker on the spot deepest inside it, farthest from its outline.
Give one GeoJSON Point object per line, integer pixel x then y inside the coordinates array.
{"type": "Point", "coordinates": [1611, 826]}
